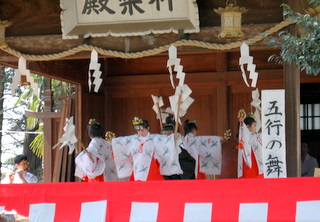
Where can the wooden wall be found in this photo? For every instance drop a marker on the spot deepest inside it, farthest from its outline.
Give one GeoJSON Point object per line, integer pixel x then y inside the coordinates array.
{"type": "Point", "coordinates": [214, 78]}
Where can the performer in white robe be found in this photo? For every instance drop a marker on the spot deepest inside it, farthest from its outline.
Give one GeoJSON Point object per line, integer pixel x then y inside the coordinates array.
{"type": "Point", "coordinates": [168, 130]}
{"type": "Point", "coordinates": [250, 160]}
{"type": "Point", "coordinates": [97, 164]}
{"type": "Point", "coordinates": [205, 150]}
{"type": "Point", "coordinates": [137, 154]}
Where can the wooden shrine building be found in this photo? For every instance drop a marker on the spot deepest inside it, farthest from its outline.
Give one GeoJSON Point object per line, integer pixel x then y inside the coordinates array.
{"type": "Point", "coordinates": [134, 67]}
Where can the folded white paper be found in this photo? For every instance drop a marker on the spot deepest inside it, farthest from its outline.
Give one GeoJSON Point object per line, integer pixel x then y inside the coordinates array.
{"type": "Point", "coordinates": [157, 103]}
{"type": "Point", "coordinates": [186, 103]}
{"type": "Point", "coordinates": [69, 138]}
{"type": "Point", "coordinates": [246, 59]}
{"type": "Point", "coordinates": [94, 67]}
{"type": "Point", "coordinates": [22, 70]}
{"type": "Point", "coordinates": [181, 100]}
{"type": "Point", "coordinates": [256, 102]}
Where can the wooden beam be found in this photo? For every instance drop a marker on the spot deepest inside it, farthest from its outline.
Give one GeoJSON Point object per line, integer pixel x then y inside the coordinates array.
{"type": "Point", "coordinates": [50, 44]}
{"type": "Point", "coordinates": [200, 78]}
{"type": "Point", "coordinates": [42, 115]}
{"type": "Point", "coordinates": [222, 63]}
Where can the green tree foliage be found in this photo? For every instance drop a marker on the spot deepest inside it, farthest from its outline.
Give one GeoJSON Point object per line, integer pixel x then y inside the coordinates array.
{"type": "Point", "coordinates": [37, 144]}
{"type": "Point", "coordinates": [8, 146]}
{"type": "Point", "coordinates": [304, 49]}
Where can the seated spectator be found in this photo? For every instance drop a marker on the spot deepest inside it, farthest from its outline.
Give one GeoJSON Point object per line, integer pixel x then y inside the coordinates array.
{"type": "Point", "coordinates": [21, 175]}
{"type": "Point", "coordinates": [308, 163]}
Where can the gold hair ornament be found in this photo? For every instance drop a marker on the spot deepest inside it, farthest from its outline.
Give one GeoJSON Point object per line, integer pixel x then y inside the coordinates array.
{"type": "Point", "coordinates": [251, 115]}
{"type": "Point", "coordinates": [93, 121]}
{"type": "Point", "coordinates": [137, 121]}
{"type": "Point", "coordinates": [109, 135]}
{"type": "Point", "coordinates": [242, 113]}
{"type": "Point", "coordinates": [227, 134]}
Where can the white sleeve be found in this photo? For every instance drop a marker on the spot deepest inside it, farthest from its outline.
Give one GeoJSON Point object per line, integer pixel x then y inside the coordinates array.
{"type": "Point", "coordinates": [122, 155]}
{"type": "Point", "coordinates": [167, 155]}
{"type": "Point", "coordinates": [87, 167]}
{"type": "Point", "coordinates": [210, 154]}
{"type": "Point", "coordinates": [30, 178]}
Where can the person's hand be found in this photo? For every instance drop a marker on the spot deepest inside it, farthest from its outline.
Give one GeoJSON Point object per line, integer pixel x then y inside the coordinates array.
{"type": "Point", "coordinates": [11, 177]}
{"type": "Point", "coordinates": [20, 173]}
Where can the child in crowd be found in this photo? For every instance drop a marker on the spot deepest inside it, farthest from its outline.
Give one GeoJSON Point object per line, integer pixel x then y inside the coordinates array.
{"type": "Point", "coordinates": [21, 175]}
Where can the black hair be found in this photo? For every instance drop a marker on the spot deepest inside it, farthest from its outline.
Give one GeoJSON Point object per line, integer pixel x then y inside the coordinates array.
{"type": "Point", "coordinates": [145, 124]}
{"type": "Point", "coordinates": [170, 124]}
{"type": "Point", "coordinates": [249, 120]}
{"type": "Point", "coordinates": [189, 126]}
{"type": "Point", "coordinates": [20, 158]}
{"type": "Point", "coordinates": [95, 130]}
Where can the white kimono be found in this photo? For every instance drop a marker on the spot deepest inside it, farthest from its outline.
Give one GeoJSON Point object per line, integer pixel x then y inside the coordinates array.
{"type": "Point", "coordinates": [29, 178]}
{"type": "Point", "coordinates": [101, 151]}
{"type": "Point", "coordinates": [251, 142]}
{"type": "Point", "coordinates": [208, 148]}
{"type": "Point", "coordinates": [134, 154]}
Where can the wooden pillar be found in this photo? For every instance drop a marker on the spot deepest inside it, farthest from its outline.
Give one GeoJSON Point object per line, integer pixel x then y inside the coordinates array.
{"type": "Point", "coordinates": [47, 129]}
{"type": "Point", "coordinates": [293, 137]}
{"type": "Point", "coordinates": [78, 116]}
{"type": "Point", "coordinates": [292, 98]}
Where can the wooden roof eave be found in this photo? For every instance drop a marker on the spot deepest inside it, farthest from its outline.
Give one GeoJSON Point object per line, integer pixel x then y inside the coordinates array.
{"type": "Point", "coordinates": [52, 44]}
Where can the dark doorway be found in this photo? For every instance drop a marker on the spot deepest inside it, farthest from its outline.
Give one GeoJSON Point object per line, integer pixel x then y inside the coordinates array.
{"type": "Point", "coordinates": [310, 117]}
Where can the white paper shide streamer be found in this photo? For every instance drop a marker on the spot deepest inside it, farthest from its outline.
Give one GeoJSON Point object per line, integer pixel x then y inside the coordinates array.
{"type": "Point", "coordinates": [246, 59]}
{"type": "Point", "coordinates": [256, 102]}
{"type": "Point", "coordinates": [174, 61]}
{"type": "Point", "coordinates": [157, 104]}
{"type": "Point", "coordinates": [69, 138]}
{"type": "Point", "coordinates": [94, 72]}
{"type": "Point", "coordinates": [181, 98]}
{"type": "Point", "coordinates": [23, 71]}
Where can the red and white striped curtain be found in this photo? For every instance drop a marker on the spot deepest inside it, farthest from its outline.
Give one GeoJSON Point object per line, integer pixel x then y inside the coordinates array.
{"type": "Point", "coordinates": [285, 199]}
